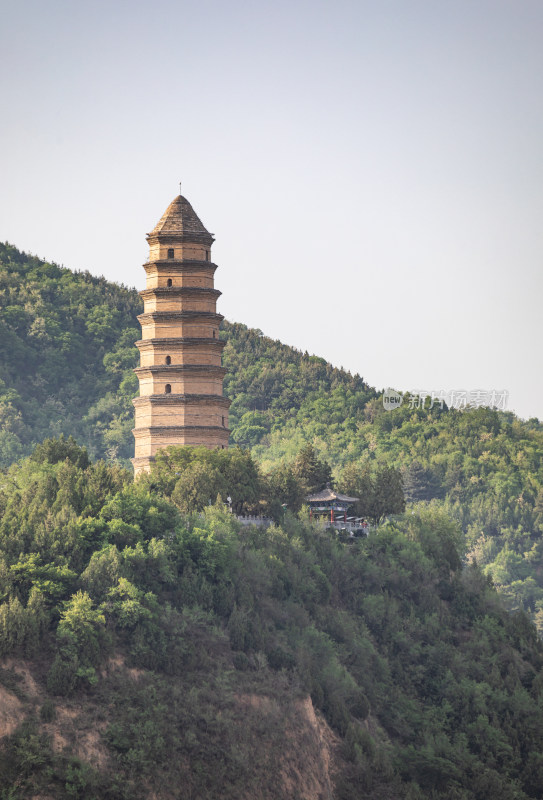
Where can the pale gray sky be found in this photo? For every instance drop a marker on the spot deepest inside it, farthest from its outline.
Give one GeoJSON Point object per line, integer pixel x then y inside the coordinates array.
{"type": "Point", "coordinates": [372, 170]}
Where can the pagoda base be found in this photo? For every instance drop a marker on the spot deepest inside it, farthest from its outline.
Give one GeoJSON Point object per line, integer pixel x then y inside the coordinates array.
{"type": "Point", "coordinates": [150, 440]}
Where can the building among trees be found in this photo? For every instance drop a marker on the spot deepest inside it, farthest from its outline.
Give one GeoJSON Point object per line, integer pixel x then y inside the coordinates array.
{"type": "Point", "coordinates": [180, 375]}
{"type": "Point", "coordinates": [330, 504]}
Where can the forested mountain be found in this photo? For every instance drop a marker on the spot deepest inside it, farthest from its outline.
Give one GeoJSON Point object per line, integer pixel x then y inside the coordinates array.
{"type": "Point", "coordinates": [66, 359]}
{"type": "Point", "coordinates": [67, 354]}
{"type": "Point", "coordinates": [146, 647]}
{"type": "Point", "coordinates": [149, 653]}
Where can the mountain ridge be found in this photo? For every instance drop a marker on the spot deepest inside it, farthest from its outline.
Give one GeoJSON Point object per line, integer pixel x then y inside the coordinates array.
{"type": "Point", "coordinates": [145, 648]}
{"type": "Point", "coordinates": [66, 367]}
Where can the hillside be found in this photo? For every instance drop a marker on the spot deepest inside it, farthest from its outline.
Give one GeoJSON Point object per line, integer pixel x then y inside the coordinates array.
{"type": "Point", "coordinates": [146, 650]}
{"type": "Point", "coordinates": [67, 354]}
{"type": "Point", "coordinates": [66, 359]}
{"type": "Point", "coordinates": [67, 350]}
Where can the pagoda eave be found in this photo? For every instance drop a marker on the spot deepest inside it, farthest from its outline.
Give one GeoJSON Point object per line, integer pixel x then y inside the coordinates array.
{"type": "Point", "coordinates": [182, 399]}
{"type": "Point", "coordinates": [174, 236]}
{"type": "Point", "coordinates": [186, 341]}
{"type": "Point", "coordinates": [175, 265]}
{"type": "Point", "coordinates": [154, 316]}
{"type": "Point", "coordinates": [187, 369]}
{"type": "Point", "coordinates": [176, 429]}
{"type": "Point", "coordinates": [180, 291]}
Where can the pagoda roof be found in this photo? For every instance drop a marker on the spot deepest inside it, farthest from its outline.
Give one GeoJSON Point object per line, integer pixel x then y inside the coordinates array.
{"type": "Point", "coordinates": [328, 495]}
{"type": "Point", "coordinates": [179, 218]}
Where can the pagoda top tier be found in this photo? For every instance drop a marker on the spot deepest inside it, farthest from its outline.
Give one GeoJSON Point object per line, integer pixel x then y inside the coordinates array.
{"type": "Point", "coordinates": [180, 220]}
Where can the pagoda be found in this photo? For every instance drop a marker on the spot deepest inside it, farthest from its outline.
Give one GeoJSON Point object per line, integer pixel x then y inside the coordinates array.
{"type": "Point", "coordinates": [180, 375]}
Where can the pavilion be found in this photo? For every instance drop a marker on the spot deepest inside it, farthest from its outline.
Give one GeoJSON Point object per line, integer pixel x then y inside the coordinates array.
{"type": "Point", "coordinates": [328, 502]}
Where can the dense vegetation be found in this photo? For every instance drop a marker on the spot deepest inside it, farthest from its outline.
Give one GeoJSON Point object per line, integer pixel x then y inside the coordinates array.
{"type": "Point", "coordinates": [275, 388]}
{"type": "Point", "coordinates": [66, 362]}
{"type": "Point", "coordinates": [66, 358]}
{"type": "Point", "coordinates": [68, 352]}
{"type": "Point", "coordinates": [432, 687]}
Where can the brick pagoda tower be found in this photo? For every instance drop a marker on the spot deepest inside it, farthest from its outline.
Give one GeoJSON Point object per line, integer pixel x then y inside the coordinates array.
{"type": "Point", "coordinates": [180, 374]}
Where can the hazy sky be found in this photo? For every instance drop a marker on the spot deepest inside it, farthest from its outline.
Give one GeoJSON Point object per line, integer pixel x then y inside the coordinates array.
{"type": "Point", "coordinates": [372, 171]}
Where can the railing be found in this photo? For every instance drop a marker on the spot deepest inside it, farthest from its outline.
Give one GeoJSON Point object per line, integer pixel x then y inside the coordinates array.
{"type": "Point", "coordinates": [250, 519]}
{"type": "Point", "coordinates": [349, 527]}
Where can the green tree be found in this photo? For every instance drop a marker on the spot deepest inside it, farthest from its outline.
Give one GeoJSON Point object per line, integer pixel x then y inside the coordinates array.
{"type": "Point", "coordinates": [127, 604]}
{"type": "Point", "coordinates": [54, 450]}
{"type": "Point", "coordinates": [83, 625]}
{"type": "Point", "coordinates": [198, 486]}
{"type": "Point", "coordinates": [283, 488]}
{"type": "Point", "coordinates": [194, 476]}
{"type": "Point", "coordinates": [538, 510]}
{"type": "Point", "coordinates": [388, 495]}
{"type": "Point", "coordinates": [102, 572]}
{"type": "Point", "coordinates": [419, 483]}
{"type": "Point", "coordinates": [312, 472]}
{"type": "Point", "coordinates": [380, 491]}
{"type": "Point", "coordinates": [356, 481]}
{"type": "Point", "coordinates": [241, 478]}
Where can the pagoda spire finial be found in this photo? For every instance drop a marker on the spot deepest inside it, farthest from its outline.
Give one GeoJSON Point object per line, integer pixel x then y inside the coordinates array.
{"type": "Point", "coordinates": [179, 187]}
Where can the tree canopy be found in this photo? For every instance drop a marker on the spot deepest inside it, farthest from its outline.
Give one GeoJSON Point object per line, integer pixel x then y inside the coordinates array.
{"type": "Point", "coordinates": [432, 687]}
{"type": "Point", "coordinates": [66, 358]}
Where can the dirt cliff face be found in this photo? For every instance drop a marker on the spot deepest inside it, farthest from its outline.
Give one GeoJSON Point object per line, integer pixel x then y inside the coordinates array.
{"type": "Point", "coordinates": [305, 763]}
{"type": "Point", "coordinates": [285, 748]}
{"type": "Point", "coordinates": [76, 727]}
